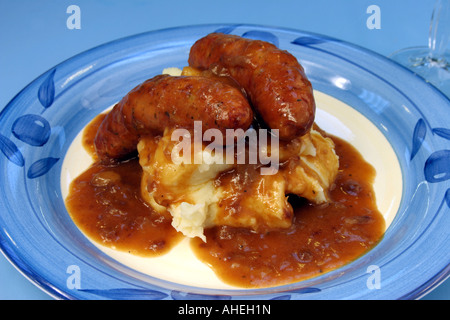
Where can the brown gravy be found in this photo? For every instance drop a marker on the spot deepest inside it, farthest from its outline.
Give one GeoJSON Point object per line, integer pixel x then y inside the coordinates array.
{"type": "Point", "coordinates": [322, 238]}
{"type": "Point", "coordinates": [106, 204]}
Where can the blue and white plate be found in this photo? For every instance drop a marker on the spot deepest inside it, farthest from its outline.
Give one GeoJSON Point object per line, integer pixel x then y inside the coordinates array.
{"type": "Point", "coordinates": [398, 122]}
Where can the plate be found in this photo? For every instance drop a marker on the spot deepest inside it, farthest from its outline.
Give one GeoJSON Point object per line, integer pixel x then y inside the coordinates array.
{"type": "Point", "coordinates": [399, 119]}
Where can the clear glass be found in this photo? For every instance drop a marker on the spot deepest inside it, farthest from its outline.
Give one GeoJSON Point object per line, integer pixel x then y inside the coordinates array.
{"type": "Point", "coordinates": [433, 61]}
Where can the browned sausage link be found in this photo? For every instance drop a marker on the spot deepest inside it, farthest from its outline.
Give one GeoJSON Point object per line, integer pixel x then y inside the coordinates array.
{"type": "Point", "coordinates": [168, 102]}
{"type": "Point", "coordinates": [274, 80]}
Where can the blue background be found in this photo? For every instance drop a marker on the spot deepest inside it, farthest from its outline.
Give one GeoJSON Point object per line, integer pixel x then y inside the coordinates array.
{"type": "Point", "coordinates": [34, 37]}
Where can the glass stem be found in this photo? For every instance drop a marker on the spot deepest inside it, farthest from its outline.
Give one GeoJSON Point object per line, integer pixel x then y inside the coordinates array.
{"type": "Point", "coordinates": [439, 34]}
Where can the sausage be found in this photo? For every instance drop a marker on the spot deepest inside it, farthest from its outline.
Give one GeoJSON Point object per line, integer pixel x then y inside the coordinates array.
{"type": "Point", "coordinates": [274, 80]}
{"type": "Point", "coordinates": [169, 102]}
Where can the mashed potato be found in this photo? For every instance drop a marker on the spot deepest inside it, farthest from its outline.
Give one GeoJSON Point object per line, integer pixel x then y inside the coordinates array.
{"type": "Point", "coordinates": [201, 195]}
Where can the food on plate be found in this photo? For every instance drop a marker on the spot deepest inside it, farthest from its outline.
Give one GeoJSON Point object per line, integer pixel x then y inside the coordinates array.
{"type": "Point", "coordinates": [225, 151]}
{"type": "Point", "coordinates": [164, 102]}
{"type": "Point", "coordinates": [321, 238]}
{"type": "Point", "coordinates": [274, 80]}
{"type": "Point", "coordinates": [204, 195]}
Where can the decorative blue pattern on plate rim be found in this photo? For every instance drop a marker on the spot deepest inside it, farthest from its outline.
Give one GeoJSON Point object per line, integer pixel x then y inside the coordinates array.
{"type": "Point", "coordinates": [35, 135]}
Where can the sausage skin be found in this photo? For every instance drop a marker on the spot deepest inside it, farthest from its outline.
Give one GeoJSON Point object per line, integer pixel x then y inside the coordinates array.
{"type": "Point", "coordinates": [168, 102]}
{"type": "Point", "coordinates": [273, 79]}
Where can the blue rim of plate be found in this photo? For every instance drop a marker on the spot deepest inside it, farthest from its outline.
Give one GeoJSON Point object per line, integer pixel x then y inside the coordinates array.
{"type": "Point", "coordinates": [39, 238]}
